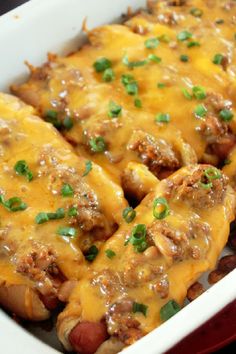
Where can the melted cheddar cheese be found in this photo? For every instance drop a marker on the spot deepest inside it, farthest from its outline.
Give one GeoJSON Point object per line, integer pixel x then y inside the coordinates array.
{"type": "Point", "coordinates": [53, 164]}
{"type": "Point", "coordinates": [141, 102]}
{"type": "Point", "coordinates": [182, 60]}
{"type": "Point", "coordinates": [200, 231]}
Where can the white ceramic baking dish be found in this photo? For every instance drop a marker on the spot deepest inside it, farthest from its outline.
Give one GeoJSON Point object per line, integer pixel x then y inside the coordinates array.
{"type": "Point", "coordinates": [28, 33]}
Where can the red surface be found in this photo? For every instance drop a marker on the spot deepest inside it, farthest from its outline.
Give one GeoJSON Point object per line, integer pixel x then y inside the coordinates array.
{"type": "Point", "coordinates": [213, 335]}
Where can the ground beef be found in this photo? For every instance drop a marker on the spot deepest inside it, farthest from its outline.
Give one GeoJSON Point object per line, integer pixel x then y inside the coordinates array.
{"type": "Point", "coordinates": [154, 153]}
{"type": "Point", "coordinates": [189, 189]}
{"type": "Point", "coordinates": [169, 242]}
{"type": "Point", "coordinates": [120, 322]}
{"type": "Point", "coordinates": [40, 266]}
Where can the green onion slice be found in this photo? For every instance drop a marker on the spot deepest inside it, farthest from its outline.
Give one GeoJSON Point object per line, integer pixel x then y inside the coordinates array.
{"type": "Point", "coordinates": [199, 92]}
{"type": "Point", "coordinates": [151, 43]}
{"type": "Point", "coordinates": [212, 173]}
{"type": "Point", "coordinates": [88, 168]}
{"type": "Point", "coordinates": [184, 58]}
{"type": "Point", "coordinates": [187, 94]}
{"type": "Point", "coordinates": [160, 208]}
{"type": "Point", "coordinates": [218, 58]}
{"type": "Point", "coordinates": [13, 204]}
{"type": "Point", "coordinates": [193, 44]}
{"type": "Point", "coordinates": [73, 211]}
{"type": "Point", "coordinates": [129, 214]}
{"type": "Point", "coordinates": [162, 118]}
{"type": "Point", "coordinates": [22, 169]}
{"type": "Point", "coordinates": [161, 85]}
{"type": "Point", "coordinates": [154, 58]}
{"type": "Point", "coordinates": [164, 38]}
{"type": "Point", "coordinates": [140, 308]}
{"type": "Point", "coordinates": [108, 75]}
{"type": "Point", "coordinates": [133, 64]}
{"type": "Point", "coordinates": [67, 190]}
{"type": "Point", "coordinates": [138, 103]}
{"type": "Point", "coordinates": [184, 35]}
{"type": "Point", "coordinates": [67, 123]}
{"type": "Point", "coordinates": [196, 12]}
{"type": "Point", "coordinates": [97, 144]}
{"type": "Point", "coordinates": [110, 254]}
{"type": "Point", "coordinates": [226, 115]}
{"type": "Point", "coordinates": [200, 110]}
{"type": "Point", "coordinates": [130, 84]}
{"type": "Point", "coordinates": [102, 64]}
{"type": "Point", "coordinates": [92, 253]}
{"type": "Point", "coordinates": [169, 310]}
{"type": "Point", "coordinates": [138, 238]}
{"type": "Point", "coordinates": [114, 110]}
{"type": "Point", "coordinates": [67, 231]}
{"type": "Point", "coordinates": [44, 217]}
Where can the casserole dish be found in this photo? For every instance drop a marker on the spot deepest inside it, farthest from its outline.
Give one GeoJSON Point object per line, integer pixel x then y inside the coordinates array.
{"type": "Point", "coordinates": [42, 15]}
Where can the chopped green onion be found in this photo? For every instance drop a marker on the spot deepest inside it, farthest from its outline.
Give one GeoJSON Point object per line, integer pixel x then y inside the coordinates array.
{"type": "Point", "coordinates": [212, 173]}
{"type": "Point", "coordinates": [226, 115]}
{"type": "Point", "coordinates": [67, 231]}
{"type": "Point", "coordinates": [114, 109]}
{"type": "Point", "coordinates": [227, 162]}
{"type": "Point", "coordinates": [138, 103]}
{"type": "Point", "coordinates": [127, 79]}
{"type": "Point", "coordinates": [133, 64]}
{"type": "Point", "coordinates": [199, 92]}
{"type": "Point", "coordinates": [140, 308]}
{"type": "Point", "coordinates": [92, 253]}
{"type": "Point", "coordinates": [152, 43]}
{"type": "Point", "coordinates": [219, 21]}
{"type": "Point", "coordinates": [132, 88]}
{"type": "Point", "coordinates": [73, 211]}
{"type": "Point", "coordinates": [169, 310]}
{"type": "Point", "coordinates": [138, 238]}
{"type": "Point", "coordinates": [193, 44]}
{"type": "Point", "coordinates": [218, 58]}
{"type": "Point", "coordinates": [196, 12]}
{"type": "Point", "coordinates": [200, 110]}
{"type": "Point", "coordinates": [41, 218]}
{"type": "Point", "coordinates": [184, 58]}
{"type": "Point", "coordinates": [154, 58]}
{"type": "Point", "coordinates": [13, 204]}
{"type": "Point", "coordinates": [184, 35]}
{"type": "Point", "coordinates": [88, 168]}
{"type": "Point", "coordinates": [209, 175]}
{"type": "Point", "coordinates": [22, 169]}
{"type": "Point", "coordinates": [68, 123]}
{"type": "Point", "coordinates": [162, 118]}
{"type": "Point", "coordinates": [110, 254]}
{"type": "Point", "coordinates": [67, 190]}
{"type": "Point", "coordinates": [160, 208]}
{"type": "Point", "coordinates": [164, 38]}
{"type": "Point", "coordinates": [51, 116]}
{"type": "Point", "coordinates": [187, 94]}
{"type": "Point", "coordinates": [206, 185]}
{"type": "Point", "coordinates": [108, 75]}
{"type": "Point", "coordinates": [129, 214]}
{"type": "Point", "coordinates": [44, 217]}
{"type": "Point", "coordinates": [161, 85]}
{"type": "Point", "coordinates": [97, 144]}
{"type": "Point", "coordinates": [130, 84]}
{"type": "Point", "coordinates": [102, 64]}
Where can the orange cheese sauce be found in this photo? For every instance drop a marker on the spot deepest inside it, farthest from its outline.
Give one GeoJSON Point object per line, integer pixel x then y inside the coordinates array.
{"type": "Point", "coordinates": [129, 275]}
{"type": "Point", "coordinates": [52, 163]}
{"type": "Point", "coordinates": [72, 85]}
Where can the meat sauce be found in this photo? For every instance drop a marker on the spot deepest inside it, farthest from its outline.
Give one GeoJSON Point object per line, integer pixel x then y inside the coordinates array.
{"type": "Point", "coordinates": [147, 112]}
